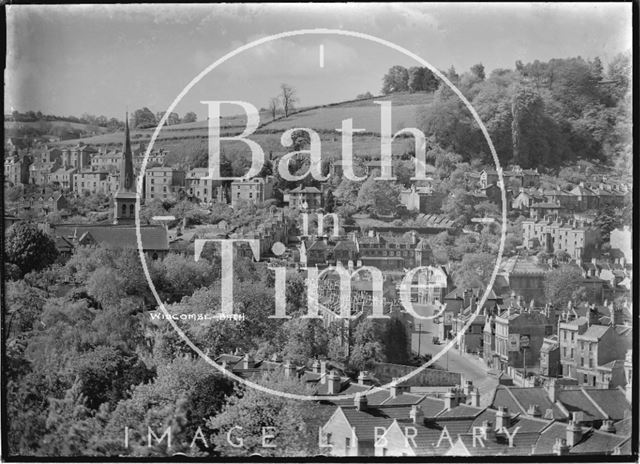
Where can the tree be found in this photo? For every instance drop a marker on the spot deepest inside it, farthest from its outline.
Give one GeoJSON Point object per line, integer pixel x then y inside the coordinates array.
{"type": "Point", "coordinates": [253, 410]}
{"type": "Point", "coordinates": [367, 348]}
{"type": "Point", "coordinates": [563, 284]}
{"type": "Point", "coordinates": [364, 96]}
{"type": "Point", "coordinates": [378, 196]}
{"type": "Point", "coordinates": [274, 104]}
{"type": "Point", "coordinates": [474, 270]}
{"type": "Point", "coordinates": [329, 201]}
{"type": "Point", "coordinates": [143, 118]}
{"type": "Point", "coordinates": [189, 117]}
{"type": "Point", "coordinates": [416, 79]}
{"type": "Point", "coordinates": [288, 98]}
{"type": "Point", "coordinates": [478, 71]}
{"type": "Point", "coordinates": [29, 248]}
{"type": "Point", "coordinates": [396, 80]}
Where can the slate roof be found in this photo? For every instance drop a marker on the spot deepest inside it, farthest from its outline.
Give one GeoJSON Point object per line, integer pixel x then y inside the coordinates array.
{"type": "Point", "coordinates": [523, 423]}
{"type": "Point", "coordinates": [519, 399]}
{"type": "Point", "coordinates": [623, 427]}
{"type": "Point", "coordinates": [523, 444]}
{"type": "Point", "coordinates": [597, 442]}
{"type": "Point", "coordinates": [404, 399]}
{"type": "Point", "coordinates": [462, 410]}
{"type": "Point", "coordinates": [431, 407]}
{"type": "Point", "coordinates": [548, 437]}
{"type": "Point", "coordinates": [595, 332]}
{"type": "Point", "coordinates": [577, 401]}
{"type": "Point", "coordinates": [612, 401]}
{"type": "Point", "coordinates": [365, 422]}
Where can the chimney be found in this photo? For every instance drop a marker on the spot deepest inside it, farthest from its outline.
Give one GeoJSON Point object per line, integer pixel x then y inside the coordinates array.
{"type": "Point", "coordinates": [468, 387]}
{"type": "Point", "coordinates": [475, 398]}
{"type": "Point", "coordinates": [503, 418]}
{"type": "Point", "coordinates": [534, 410]}
{"type": "Point", "coordinates": [553, 389]}
{"type": "Point", "coordinates": [363, 378]}
{"type": "Point", "coordinates": [288, 369]}
{"type": "Point", "coordinates": [414, 237]}
{"type": "Point", "coordinates": [323, 371]}
{"type": "Point", "coordinates": [450, 400]}
{"type": "Point", "coordinates": [416, 415]}
{"type": "Point", "coordinates": [395, 388]}
{"type": "Point", "coordinates": [574, 433]}
{"type": "Point", "coordinates": [488, 431]}
{"type": "Point", "coordinates": [248, 362]}
{"type": "Point", "coordinates": [607, 426]}
{"type": "Point", "coordinates": [333, 383]}
{"type": "Point", "coordinates": [560, 447]}
{"type": "Point", "coordinates": [315, 367]}
{"type": "Point", "coordinates": [360, 402]}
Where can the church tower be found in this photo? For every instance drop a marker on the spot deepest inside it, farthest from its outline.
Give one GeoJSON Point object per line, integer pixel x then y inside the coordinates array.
{"type": "Point", "coordinates": [125, 198]}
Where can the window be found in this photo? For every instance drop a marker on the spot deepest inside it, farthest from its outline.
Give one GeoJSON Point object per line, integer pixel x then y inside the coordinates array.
{"type": "Point", "coordinates": [564, 334]}
{"type": "Point", "coordinates": [347, 442]}
{"type": "Point", "coordinates": [572, 335]}
{"type": "Point", "coordinates": [152, 188]}
{"type": "Point", "coordinates": [585, 379]}
{"type": "Point", "coordinates": [590, 362]}
{"type": "Point", "coordinates": [124, 209]}
{"type": "Point", "coordinates": [571, 353]}
{"type": "Point", "coordinates": [131, 210]}
{"type": "Point", "coordinates": [328, 439]}
{"type": "Point", "coordinates": [581, 361]}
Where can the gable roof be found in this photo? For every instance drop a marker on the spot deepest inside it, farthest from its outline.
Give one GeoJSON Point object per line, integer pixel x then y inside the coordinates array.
{"type": "Point", "coordinates": [518, 400]}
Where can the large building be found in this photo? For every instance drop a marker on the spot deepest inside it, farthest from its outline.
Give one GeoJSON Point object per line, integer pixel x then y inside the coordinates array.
{"type": "Point", "coordinates": [393, 252]}
{"type": "Point", "coordinates": [163, 182]}
{"type": "Point", "coordinates": [577, 239]}
{"type": "Point", "coordinates": [304, 197]}
{"type": "Point", "coordinates": [516, 335]}
{"type": "Point", "coordinates": [256, 190]}
{"type": "Point", "coordinates": [205, 190]}
{"type": "Point", "coordinates": [91, 181]}
{"type": "Point", "coordinates": [16, 169]}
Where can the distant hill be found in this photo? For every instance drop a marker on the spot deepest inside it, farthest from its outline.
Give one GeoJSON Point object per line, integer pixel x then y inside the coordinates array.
{"type": "Point", "coordinates": [365, 114]}
{"type": "Point", "coordinates": [62, 129]}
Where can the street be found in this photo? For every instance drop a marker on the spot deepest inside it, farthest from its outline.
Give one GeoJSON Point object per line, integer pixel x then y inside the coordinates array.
{"type": "Point", "coordinates": [470, 366]}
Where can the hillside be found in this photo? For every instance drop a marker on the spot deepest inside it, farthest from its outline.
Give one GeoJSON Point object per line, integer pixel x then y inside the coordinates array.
{"type": "Point", "coordinates": [365, 114]}
{"type": "Point", "coordinates": [57, 128]}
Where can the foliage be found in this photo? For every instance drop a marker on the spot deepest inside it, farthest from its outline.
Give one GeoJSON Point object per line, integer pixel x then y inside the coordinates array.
{"type": "Point", "coordinates": [28, 247]}
{"type": "Point", "coordinates": [253, 410]}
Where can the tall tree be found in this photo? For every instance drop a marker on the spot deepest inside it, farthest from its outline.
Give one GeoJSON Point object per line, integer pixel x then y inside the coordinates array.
{"type": "Point", "coordinates": [29, 248]}
{"type": "Point", "coordinates": [396, 80]}
{"type": "Point", "coordinates": [288, 98]}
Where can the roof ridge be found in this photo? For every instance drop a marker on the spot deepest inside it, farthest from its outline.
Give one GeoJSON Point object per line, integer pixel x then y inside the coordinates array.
{"type": "Point", "coordinates": [562, 408]}
{"type": "Point", "coordinates": [522, 409]}
{"type": "Point", "coordinates": [602, 411]}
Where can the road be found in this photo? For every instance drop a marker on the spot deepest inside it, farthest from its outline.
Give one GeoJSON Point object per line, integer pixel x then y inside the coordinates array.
{"type": "Point", "coordinates": [470, 366]}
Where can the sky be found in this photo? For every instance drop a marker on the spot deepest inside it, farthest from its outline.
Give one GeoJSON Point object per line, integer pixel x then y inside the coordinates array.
{"type": "Point", "coordinates": [107, 59]}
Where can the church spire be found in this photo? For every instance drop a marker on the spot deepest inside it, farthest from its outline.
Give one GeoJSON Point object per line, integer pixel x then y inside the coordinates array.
{"type": "Point", "coordinates": [126, 174]}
